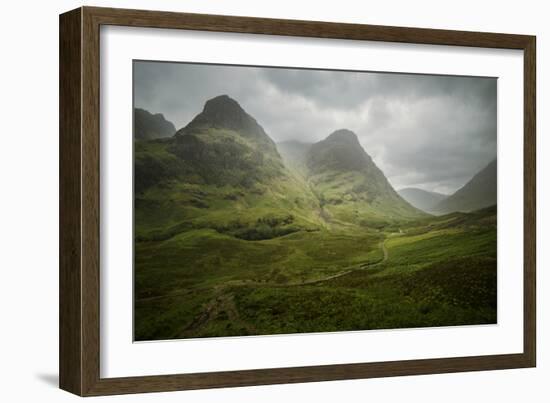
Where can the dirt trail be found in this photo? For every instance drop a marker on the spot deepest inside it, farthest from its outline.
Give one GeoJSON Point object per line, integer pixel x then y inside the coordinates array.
{"type": "Point", "coordinates": [385, 255]}
{"type": "Point", "coordinates": [385, 251]}
{"type": "Point", "coordinates": [306, 282]}
{"type": "Point", "coordinates": [225, 302]}
{"type": "Point", "coordinates": [220, 303]}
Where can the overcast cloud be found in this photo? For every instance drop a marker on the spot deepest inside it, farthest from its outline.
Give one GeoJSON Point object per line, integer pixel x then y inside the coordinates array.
{"type": "Point", "coordinates": [432, 132]}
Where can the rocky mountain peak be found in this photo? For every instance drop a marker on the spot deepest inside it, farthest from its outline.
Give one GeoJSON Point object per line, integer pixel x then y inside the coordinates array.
{"type": "Point", "coordinates": [343, 136]}
{"type": "Point", "coordinates": [226, 113]}
{"type": "Point", "coordinates": [341, 150]}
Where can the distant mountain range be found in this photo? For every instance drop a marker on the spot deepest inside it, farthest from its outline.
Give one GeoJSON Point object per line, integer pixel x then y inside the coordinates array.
{"type": "Point", "coordinates": [151, 126]}
{"type": "Point", "coordinates": [479, 192]}
{"type": "Point", "coordinates": [422, 199]}
{"type": "Point", "coordinates": [222, 171]}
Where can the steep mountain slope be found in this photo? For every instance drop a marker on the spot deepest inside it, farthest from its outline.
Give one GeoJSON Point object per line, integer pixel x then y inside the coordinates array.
{"type": "Point", "coordinates": [149, 126]}
{"type": "Point", "coordinates": [421, 199]}
{"type": "Point", "coordinates": [223, 112]}
{"type": "Point", "coordinates": [225, 145]}
{"type": "Point", "coordinates": [350, 186]}
{"type": "Point", "coordinates": [479, 192]}
{"type": "Point", "coordinates": [221, 172]}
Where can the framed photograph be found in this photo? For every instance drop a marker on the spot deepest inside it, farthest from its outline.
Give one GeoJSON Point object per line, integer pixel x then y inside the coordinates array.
{"type": "Point", "coordinates": [248, 201]}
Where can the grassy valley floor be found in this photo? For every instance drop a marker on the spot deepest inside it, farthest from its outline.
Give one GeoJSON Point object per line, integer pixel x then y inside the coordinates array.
{"type": "Point", "coordinates": [202, 282]}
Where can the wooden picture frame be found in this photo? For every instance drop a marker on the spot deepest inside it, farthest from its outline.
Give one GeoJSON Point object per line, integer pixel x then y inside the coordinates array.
{"type": "Point", "coordinates": [79, 346]}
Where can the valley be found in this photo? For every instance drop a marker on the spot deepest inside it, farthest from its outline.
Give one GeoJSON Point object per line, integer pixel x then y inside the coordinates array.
{"type": "Point", "coordinates": [235, 235]}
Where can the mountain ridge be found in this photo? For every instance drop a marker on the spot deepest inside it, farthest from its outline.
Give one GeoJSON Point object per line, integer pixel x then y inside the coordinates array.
{"type": "Point", "coordinates": [223, 171]}
{"type": "Point", "coordinates": [223, 111]}
{"type": "Point", "coordinates": [479, 192]}
{"type": "Point", "coordinates": [340, 150]}
{"type": "Point", "coordinates": [151, 126]}
{"type": "Point", "coordinates": [350, 184]}
{"type": "Point", "coordinates": [220, 172]}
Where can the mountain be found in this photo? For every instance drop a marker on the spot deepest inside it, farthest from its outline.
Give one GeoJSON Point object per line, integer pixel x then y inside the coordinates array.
{"type": "Point", "coordinates": [340, 151]}
{"type": "Point", "coordinates": [479, 192]}
{"type": "Point", "coordinates": [149, 126]}
{"type": "Point", "coordinates": [349, 184]}
{"type": "Point", "coordinates": [225, 145]}
{"type": "Point", "coordinates": [223, 112]}
{"type": "Point", "coordinates": [421, 199]}
{"type": "Point", "coordinates": [223, 172]}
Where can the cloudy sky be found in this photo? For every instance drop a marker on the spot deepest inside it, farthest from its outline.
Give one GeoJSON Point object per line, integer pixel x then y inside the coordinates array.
{"type": "Point", "coordinates": [431, 132]}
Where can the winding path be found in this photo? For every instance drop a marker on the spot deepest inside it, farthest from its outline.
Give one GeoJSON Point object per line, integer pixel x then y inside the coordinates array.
{"type": "Point", "coordinates": [346, 272]}
{"type": "Point", "coordinates": [307, 282]}
{"type": "Point", "coordinates": [224, 302]}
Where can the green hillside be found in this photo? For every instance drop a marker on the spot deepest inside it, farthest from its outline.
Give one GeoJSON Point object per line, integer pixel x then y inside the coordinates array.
{"type": "Point", "coordinates": [350, 186]}
{"type": "Point", "coordinates": [232, 239]}
{"type": "Point", "coordinates": [209, 176]}
{"type": "Point", "coordinates": [435, 272]}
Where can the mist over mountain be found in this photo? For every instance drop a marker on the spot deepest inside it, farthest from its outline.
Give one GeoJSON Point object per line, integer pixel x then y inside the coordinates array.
{"type": "Point", "coordinates": [479, 192]}
{"type": "Point", "coordinates": [294, 154]}
{"type": "Point", "coordinates": [223, 171]}
{"type": "Point", "coordinates": [421, 199]}
{"type": "Point", "coordinates": [151, 126]}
